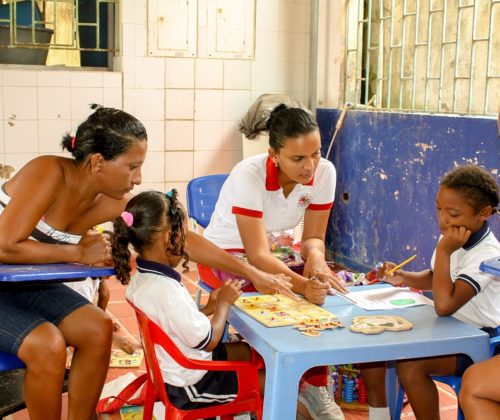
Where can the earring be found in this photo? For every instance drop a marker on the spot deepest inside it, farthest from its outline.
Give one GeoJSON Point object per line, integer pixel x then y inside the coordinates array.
{"type": "Point", "coordinates": [276, 164]}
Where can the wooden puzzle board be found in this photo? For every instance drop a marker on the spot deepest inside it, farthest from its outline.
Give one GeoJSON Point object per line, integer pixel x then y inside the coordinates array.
{"type": "Point", "coordinates": [375, 324]}
{"type": "Point", "coordinates": [279, 310]}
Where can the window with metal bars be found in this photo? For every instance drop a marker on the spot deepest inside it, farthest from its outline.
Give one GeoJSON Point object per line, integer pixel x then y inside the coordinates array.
{"type": "Point", "coordinates": [58, 32]}
{"type": "Point", "coordinates": [423, 55]}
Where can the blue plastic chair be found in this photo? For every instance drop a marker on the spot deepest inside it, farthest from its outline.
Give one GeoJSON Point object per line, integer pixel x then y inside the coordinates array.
{"type": "Point", "coordinates": [202, 195]}
{"type": "Point", "coordinates": [455, 382]}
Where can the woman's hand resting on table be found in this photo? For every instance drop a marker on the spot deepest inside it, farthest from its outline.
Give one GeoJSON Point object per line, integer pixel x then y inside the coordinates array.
{"type": "Point", "coordinates": [271, 284]}
{"type": "Point", "coordinates": [95, 248]}
{"type": "Point", "coordinates": [318, 268]}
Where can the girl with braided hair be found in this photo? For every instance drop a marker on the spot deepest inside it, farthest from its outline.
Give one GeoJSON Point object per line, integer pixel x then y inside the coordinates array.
{"type": "Point", "coordinates": [155, 224]}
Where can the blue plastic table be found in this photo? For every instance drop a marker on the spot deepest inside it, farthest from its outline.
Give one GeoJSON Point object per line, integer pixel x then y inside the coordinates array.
{"type": "Point", "coordinates": [50, 273]}
{"type": "Point", "coordinates": [288, 354]}
{"type": "Point", "coordinates": [491, 266]}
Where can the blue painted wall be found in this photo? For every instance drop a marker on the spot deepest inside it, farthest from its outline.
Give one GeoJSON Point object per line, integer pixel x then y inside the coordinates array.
{"type": "Point", "coordinates": [388, 171]}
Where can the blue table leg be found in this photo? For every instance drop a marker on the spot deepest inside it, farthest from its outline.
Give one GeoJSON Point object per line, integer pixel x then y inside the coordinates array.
{"type": "Point", "coordinates": [282, 385]}
{"type": "Point", "coordinates": [392, 388]}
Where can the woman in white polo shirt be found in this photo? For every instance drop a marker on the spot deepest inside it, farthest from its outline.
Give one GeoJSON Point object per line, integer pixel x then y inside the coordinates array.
{"type": "Point", "coordinates": [272, 192]}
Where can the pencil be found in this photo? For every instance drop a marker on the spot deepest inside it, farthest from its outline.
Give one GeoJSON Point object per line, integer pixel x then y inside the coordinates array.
{"type": "Point", "coordinates": [392, 270]}
{"type": "Point", "coordinates": [345, 297]}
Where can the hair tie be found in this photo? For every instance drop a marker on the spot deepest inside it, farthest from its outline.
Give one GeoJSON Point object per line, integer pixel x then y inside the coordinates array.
{"type": "Point", "coordinates": [170, 194]}
{"type": "Point", "coordinates": [73, 140]}
{"type": "Point", "coordinates": [128, 218]}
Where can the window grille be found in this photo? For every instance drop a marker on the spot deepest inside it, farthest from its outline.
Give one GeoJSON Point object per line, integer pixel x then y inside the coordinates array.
{"type": "Point", "coordinates": [423, 55]}
{"type": "Point", "coordinates": [58, 32]}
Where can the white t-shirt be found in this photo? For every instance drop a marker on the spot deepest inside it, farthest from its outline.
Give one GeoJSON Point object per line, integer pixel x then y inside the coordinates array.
{"type": "Point", "coordinates": [157, 291]}
{"type": "Point", "coordinates": [252, 189]}
{"type": "Point", "coordinates": [483, 310]}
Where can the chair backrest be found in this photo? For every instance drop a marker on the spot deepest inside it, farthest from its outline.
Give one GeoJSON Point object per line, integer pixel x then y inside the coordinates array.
{"type": "Point", "coordinates": [248, 398]}
{"type": "Point", "coordinates": [202, 195]}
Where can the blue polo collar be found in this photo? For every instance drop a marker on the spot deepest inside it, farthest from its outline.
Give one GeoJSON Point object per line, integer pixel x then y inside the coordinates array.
{"type": "Point", "coordinates": [477, 237]}
{"type": "Point", "coordinates": [148, 266]}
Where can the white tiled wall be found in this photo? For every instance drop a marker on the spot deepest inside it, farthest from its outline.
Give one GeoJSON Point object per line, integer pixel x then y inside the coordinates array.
{"type": "Point", "coordinates": [190, 107]}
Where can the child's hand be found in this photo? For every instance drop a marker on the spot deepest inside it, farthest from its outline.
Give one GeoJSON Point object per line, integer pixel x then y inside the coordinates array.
{"type": "Point", "coordinates": [454, 238]}
{"type": "Point", "coordinates": [212, 299]}
{"type": "Point", "coordinates": [396, 278]}
{"type": "Point", "coordinates": [229, 292]}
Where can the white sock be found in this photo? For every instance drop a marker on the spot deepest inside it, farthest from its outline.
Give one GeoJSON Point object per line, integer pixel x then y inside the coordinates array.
{"type": "Point", "coordinates": [378, 413]}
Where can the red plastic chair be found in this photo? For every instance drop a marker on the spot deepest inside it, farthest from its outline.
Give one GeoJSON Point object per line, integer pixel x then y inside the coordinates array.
{"type": "Point", "coordinates": [247, 399]}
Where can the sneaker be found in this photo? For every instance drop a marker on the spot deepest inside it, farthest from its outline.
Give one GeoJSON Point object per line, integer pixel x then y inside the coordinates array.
{"type": "Point", "coordinates": [320, 404]}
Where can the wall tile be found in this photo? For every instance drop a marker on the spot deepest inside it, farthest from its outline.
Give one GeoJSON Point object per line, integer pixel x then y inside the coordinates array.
{"type": "Point", "coordinates": [208, 104]}
{"type": "Point", "coordinates": [53, 78]}
{"type": "Point", "coordinates": [207, 135]}
{"type": "Point", "coordinates": [179, 73]}
{"type": "Point", "coordinates": [231, 136]}
{"type": "Point", "coordinates": [236, 104]}
{"type": "Point", "coordinates": [112, 97]}
{"type": "Point", "coordinates": [128, 11]}
{"type": "Point", "coordinates": [153, 169]}
{"type": "Point", "coordinates": [20, 103]}
{"type": "Point", "coordinates": [129, 101]}
{"type": "Point", "coordinates": [112, 79]}
{"type": "Point", "coordinates": [179, 135]}
{"type": "Point", "coordinates": [156, 135]}
{"type": "Point", "coordinates": [150, 104]}
{"type": "Point", "coordinates": [178, 166]}
{"type": "Point", "coordinates": [179, 104]}
{"type": "Point", "coordinates": [19, 78]}
{"type": "Point", "coordinates": [264, 76]}
{"type": "Point", "coordinates": [292, 17]}
{"type": "Point", "coordinates": [128, 39]}
{"type": "Point", "coordinates": [81, 99]}
{"type": "Point", "coordinates": [267, 15]}
{"type": "Point", "coordinates": [50, 134]}
{"type": "Point", "coordinates": [291, 76]}
{"type": "Point", "coordinates": [229, 159]}
{"type": "Point", "coordinates": [207, 163]}
{"type": "Point", "coordinates": [237, 74]}
{"type": "Point", "coordinates": [54, 103]}
{"type": "Point", "coordinates": [21, 137]}
{"type": "Point", "coordinates": [141, 40]}
{"type": "Point", "coordinates": [266, 46]}
{"type": "Point", "coordinates": [140, 12]}
{"type": "Point", "coordinates": [149, 186]}
{"type": "Point", "coordinates": [149, 72]}
{"type": "Point", "coordinates": [209, 74]}
{"type": "Point", "coordinates": [128, 70]}
{"type": "Point", "coordinates": [86, 79]}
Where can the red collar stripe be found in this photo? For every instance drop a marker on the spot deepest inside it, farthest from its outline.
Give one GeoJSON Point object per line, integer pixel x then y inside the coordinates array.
{"type": "Point", "coordinates": [247, 212]}
{"type": "Point", "coordinates": [272, 180]}
{"type": "Point", "coordinates": [326, 206]}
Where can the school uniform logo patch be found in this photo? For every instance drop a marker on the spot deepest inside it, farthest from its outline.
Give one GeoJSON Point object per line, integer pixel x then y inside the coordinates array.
{"type": "Point", "coordinates": [304, 200]}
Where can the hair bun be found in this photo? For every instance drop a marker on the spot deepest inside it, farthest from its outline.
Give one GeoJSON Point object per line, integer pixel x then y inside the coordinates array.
{"type": "Point", "coordinates": [274, 112]}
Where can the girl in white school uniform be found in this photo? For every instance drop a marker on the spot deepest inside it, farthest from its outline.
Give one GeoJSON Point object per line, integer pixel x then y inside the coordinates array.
{"type": "Point", "coordinates": [155, 224]}
{"type": "Point", "coordinates": [467, 197]}
{"type": "Point", "coordinates": [272, 192]}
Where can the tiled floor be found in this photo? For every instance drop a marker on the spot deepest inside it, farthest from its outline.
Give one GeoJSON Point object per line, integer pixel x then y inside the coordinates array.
{"type": "Point", "coordinates": [124, 316]}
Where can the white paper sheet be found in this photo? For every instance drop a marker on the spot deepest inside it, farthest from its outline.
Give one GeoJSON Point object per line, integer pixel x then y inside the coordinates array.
{"type": "Point", "coordinates": [388, 298]}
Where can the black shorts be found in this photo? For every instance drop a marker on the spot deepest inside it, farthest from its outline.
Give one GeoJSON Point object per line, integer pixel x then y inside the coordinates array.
{"type": "Point", "coordinates": [23, 308]}
{"type": "Point", "coordinates": [215, 387]}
